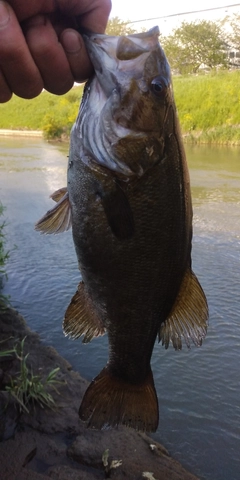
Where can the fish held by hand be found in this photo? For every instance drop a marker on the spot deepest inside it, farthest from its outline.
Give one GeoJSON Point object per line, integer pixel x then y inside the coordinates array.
{"type": "Point", "coordinates": [129, 203]}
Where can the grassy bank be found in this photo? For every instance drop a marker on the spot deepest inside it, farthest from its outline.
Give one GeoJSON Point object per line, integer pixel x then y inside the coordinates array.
{"type": "Point", "coordinates": [208, 106]}
{"type": "Point", "coordinates": [53, 114]}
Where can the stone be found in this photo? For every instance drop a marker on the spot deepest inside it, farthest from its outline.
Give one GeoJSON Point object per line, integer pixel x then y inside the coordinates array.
{"type": "Point", "coordinates": [68, 473]}
{"type": "Point", "coordinates": [14, 455]}
{"type": "Point", "coordinates": [133, 449]}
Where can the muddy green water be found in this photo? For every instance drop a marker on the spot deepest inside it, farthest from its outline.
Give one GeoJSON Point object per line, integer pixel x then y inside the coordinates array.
{"type": "Point", "coordinates": [198, 390]}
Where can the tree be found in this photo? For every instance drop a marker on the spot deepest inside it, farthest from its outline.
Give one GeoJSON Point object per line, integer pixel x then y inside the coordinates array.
{"type": "Point", "coordinates": [194, 44]}
{"type": "Point", "coordinates": [118, 27]}
{"type": "Point", "coordinates": [231, 25]}
{"type": "Point", "coordinates": [234, 35]}
{"type": "Point", "coordinates": [233, 31]}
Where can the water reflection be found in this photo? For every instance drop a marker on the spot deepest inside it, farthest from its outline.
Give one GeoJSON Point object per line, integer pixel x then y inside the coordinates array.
{"type": "Point", "coordinates": [199, 389]}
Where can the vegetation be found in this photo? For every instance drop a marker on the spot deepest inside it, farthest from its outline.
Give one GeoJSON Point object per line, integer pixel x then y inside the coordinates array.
{"type": "Point", "coordinates": [116, 26]}
{"type": "Point", "coordinates": [233, 34]}
{"type": "Point", "coordinates": [4, 255]}
{"type": "Point", "coordinates": [204, 44]}
{"type": "Point", "coordinates": [50, 113]}
{"type": "Point", "coordinates": [6, 353]}
{"type": "Point", "coordinates": [209, 107]}
{"type": "Point", "coordinates": [26, 388]}
{"type": "Point", "coordinates": [194, 44]}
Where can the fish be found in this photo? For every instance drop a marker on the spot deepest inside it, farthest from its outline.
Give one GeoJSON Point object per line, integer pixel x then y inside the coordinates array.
{"type": "Point", "coordinates": [128, 201]}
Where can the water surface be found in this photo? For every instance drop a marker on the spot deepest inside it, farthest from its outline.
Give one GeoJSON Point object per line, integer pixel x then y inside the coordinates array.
{"type": "Point", "coordinates": [198, 390]}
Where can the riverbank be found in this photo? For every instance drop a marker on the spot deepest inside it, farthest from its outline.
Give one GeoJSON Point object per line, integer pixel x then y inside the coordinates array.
{"type": "Point", "coordinates": [20, 133]}
{"type": "Point", "coordinates": [200, 138]}
{"type": "Point", "coordinates": [54, 443]}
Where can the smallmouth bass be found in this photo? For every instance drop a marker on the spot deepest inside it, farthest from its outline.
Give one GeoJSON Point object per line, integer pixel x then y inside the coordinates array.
{"type": "Point", "coordinates": [129, 203]}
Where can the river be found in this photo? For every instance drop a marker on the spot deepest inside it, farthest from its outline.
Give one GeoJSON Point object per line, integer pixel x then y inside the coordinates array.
{"type": "Point", "coordinates": [199, 389]}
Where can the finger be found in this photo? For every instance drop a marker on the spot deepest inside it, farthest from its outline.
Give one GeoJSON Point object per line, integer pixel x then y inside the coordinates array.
{"type": "Point", "coordinates": [26, 9]}
{"type": "Point", "coordinates": [77, 56]}
{"type": "Point", "coordinates": [91, 14]}
{"type": "Point", "coordinates": [16, 64]}
{"type": "Point", "coordinates": [48, 55]}
{"type": "Point", "coordinates": [5, 92]}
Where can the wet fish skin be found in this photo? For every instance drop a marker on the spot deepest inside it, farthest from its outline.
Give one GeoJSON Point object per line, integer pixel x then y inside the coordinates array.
{"type": "Point", "coordinates": [131, 215]}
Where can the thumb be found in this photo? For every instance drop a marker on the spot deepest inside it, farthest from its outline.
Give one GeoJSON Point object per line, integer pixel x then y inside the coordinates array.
{"type": "Point", "coordinates": [76, 54]}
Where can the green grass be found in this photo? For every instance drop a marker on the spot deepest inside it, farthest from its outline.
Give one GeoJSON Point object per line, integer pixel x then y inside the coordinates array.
{"type": "Point", "coordinates": [26, 388]}
{"type": "Point", "coordinates": [208, 106]}
{"type": "Point", "coordinates": [53, 114]}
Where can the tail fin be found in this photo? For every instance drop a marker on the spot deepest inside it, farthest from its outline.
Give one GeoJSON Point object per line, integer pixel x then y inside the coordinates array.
{"type": "Point", "coordinates": [110, 401]}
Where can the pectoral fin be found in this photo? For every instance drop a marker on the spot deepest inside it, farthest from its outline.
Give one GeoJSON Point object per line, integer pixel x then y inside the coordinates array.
{"type": "Point", "coordinates": [58, 194]}
{"type": "Point", "coordinates": [58, 219]}
{"type": "Point", "coordinates": [81, 317]}
{"type": "Point", "coordinates": [118, 212]}
{"type": "Point", "coordinates": [189, 316]}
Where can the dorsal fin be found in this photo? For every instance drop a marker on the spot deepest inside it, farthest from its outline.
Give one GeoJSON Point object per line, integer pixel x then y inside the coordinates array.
{"type": "Point", "coordinates": [189, 316]}
{"type": "Point", "coordinates": [58, 219]}
{"type": "Point", "coordinates": [81, 317]}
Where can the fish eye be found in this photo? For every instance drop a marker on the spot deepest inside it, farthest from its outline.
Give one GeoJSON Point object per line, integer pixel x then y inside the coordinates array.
{"type": "Point", "coordinates": [159, 86]}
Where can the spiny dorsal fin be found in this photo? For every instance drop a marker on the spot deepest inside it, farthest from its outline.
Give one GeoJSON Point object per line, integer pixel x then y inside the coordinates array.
{"type": "Point", "coordinates": [111, 401]}
{"type": "Point", "coordinates": [189, 316]}
{"type": "Point", "coordinates": [58, 219]}
{"type": "Point", "coordinates": [81, 318]}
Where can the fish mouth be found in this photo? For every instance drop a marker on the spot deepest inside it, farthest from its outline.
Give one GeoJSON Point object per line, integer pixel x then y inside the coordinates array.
{"type": "Point", "coordinates": [111, 121]}
{"type": "Point", "coordinates": [114, 58]}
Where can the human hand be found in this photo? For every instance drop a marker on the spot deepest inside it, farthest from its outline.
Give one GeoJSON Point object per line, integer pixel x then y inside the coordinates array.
{"type": "Point", "coordinates": [40, 47]}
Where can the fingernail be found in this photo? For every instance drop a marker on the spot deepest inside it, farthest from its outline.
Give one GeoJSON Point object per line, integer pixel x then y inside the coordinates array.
{"type": "Point", "coordinates": [71, 41]}
{"type": "Point", "coordinates": [4, 14]}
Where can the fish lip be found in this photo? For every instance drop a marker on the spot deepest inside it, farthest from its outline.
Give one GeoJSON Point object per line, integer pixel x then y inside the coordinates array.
{"type": "Point", "coordinates": [109, 67]}
{"type": "Point", "coordinates": [99, 57]}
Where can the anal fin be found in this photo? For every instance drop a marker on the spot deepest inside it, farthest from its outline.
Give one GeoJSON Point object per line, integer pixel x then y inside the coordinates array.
{"type": "Point", "coordinates": [189, 316]}
{"type": "Point", "coordinates": [110, 401]}
{"type": "Point", "coordinates": [58, 219]}
{"type": "Point", "coordinates": [81, 317]}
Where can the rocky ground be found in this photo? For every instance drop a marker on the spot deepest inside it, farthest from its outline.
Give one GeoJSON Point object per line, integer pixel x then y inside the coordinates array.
{"type": "Point", "coordinates": [53, 444]}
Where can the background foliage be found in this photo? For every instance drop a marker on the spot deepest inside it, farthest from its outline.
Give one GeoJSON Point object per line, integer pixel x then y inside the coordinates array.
{"type": "Point", "coordinates": [53, 114]}
{"type": "Point", "coordinates": [116, 26]}
{"type": "Point", "coordinates": [195, 44]}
